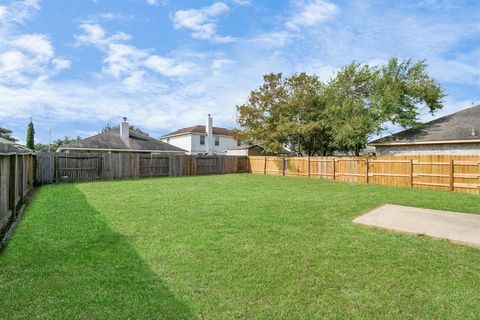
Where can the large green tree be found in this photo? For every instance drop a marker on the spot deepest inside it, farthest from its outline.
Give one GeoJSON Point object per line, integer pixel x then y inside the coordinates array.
{"type": "Point", "coordinates": [30, 141]}
{"type": "Point", "coordinates": [7, 134]}
{"type": "Point", "coordinates": [286, 112]}
{"type": "Point", "coordinates": [363, 100]}
{"type": "Point", "coordinates": [315, 118]}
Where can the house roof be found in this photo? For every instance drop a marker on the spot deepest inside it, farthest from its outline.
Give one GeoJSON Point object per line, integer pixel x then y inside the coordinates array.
{"type": "Point", "coordinates": [111, 140]}
{"type": "Point", "coordinates": [199, 129]}
{"type": "Point", "coordinates": [245, 147]}
{"type": "Point", "coordinates": [10, 146]}
{"type": "Point", "coordinates": [3, 140]}
{"type": "Point", "coordinates": [462, 126]}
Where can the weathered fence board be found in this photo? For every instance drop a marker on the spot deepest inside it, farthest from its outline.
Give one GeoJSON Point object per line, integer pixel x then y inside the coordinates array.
{"type": "Point", "coordinates": [441, 172]}
{"type": "Point", "coordinates": [16, 182]}
{"type": "Point", "coordinates": [56, 167]}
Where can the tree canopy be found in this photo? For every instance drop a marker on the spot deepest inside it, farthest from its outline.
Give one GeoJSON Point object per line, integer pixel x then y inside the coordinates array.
{"type": "Point", "coordinates": [316, 118]}
{"type": "Point", "coordinates": [7, 134]}
{"type": "Point", "coordinates": [108, 127]}
{"type": "Point", "coordinates": [56, 144]}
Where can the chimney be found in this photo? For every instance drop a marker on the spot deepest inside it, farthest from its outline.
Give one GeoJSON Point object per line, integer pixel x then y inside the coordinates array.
{"type": "Point", "coordinates": [124, 130]}
{"type": "Point", "coordinates": [209, 132]}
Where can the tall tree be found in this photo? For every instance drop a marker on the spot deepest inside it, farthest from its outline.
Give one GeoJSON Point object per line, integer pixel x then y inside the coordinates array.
{"type": "Point", "coordinates": [362, 100]}
{"type": "Point", "coordinates": [7, 134]}
{"type": "Point", "coordinates": [351, 121]}
{"type": "Point", "coordinates": [286, 112]}
{"type": "Point", "coordinates": [30, 141]}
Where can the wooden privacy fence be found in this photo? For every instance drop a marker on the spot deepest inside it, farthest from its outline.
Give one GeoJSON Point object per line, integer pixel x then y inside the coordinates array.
{"type": "Point", "coordinates": [454, 173]}
{"type": "Point", "coordinates": [57, 167]}
{"type": "Point", "coordinates": [16, 182]}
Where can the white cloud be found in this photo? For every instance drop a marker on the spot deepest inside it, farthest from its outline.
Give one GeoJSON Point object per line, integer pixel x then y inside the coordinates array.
{"type": "Point", "coordinates": [202, 22]}
{"type": "Point", "coordinates": [17, 12]}
{"type": "Point", "coordinates": [27, 57]}
{"type": "Point", "coordinates": [273, 39]}
{"type": "Point", "coordinates": [220, 63]}
{"type": "Point", "coordinates": [156, 2]}
{"type": "Point", "coordinates": [242, 2]}
{"type": "Point", "coordinates": [123, 60]}
{"type": "Point", "coordinates": [37, 44]}
{"type": "Point", "coordinates": [3, 13]}
{"type": "Point", "coordinates": [108, 16]}
{"type": "Point", "coordinates": [311, 13]}
{"type": "Point", "coordinates": [169, 67]}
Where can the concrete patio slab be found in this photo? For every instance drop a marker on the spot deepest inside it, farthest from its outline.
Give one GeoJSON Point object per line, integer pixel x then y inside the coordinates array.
{"type": "Point", "coordinates": [457, 227]}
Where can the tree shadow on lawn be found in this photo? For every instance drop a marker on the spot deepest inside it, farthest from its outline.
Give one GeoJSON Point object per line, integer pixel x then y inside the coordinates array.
{"type": "Point", "coordinates": [65, 262]}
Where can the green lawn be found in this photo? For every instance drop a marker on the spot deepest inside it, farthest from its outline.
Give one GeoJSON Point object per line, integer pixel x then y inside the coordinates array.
{"type": "Point", "coordinates": [232, 246]}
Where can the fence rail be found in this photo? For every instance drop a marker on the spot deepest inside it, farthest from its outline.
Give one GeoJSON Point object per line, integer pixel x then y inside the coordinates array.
{"type": "Point", "coordinates": [16, 182]}
{"type": "Point", "coordinates": [56, 167]}
{"type": "Point", "coordinates": [454, 173]}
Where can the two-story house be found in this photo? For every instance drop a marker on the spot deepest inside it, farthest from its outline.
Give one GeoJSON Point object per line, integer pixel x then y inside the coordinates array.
{"type": "Point", "coordinates": [202, 139]}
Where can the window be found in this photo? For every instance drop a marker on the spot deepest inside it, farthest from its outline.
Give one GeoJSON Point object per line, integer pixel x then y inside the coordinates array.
{"type": "Point", "coordinates": [168, 140]}
{"type": "Point", "coordinates": [239, 143]}
{"type": "Point", "coordinates": [217, 141]}
{"type": "Point", "coordinates": [202, 140]}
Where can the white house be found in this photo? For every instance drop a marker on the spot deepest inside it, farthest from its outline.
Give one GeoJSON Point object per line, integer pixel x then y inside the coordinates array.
{"type": "Point", "coordinates": [201, 139]}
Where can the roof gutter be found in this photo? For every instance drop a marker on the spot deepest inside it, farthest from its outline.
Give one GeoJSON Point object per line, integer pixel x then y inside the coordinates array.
{"type": "Point", "coordinates": [380, 144]}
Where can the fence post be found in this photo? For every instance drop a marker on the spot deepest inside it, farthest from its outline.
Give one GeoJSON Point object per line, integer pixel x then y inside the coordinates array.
{"type": "Point", "coordinates": [265, 165]}
{"type": "Point", "coordinates": [308, 166]}
{"type": "Point", "coordinates": [284, 166]}
{"type": "Point", "coordinates": [333, 166]}
{"type": "Point", "coordinates": [366, 170]}
{"type": "Point", "coordinates": [411, 173]}
{"type": "Point", "coordinates": [452, 177]}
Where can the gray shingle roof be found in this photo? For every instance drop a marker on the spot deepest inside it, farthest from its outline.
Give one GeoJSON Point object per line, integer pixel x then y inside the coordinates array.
{"type": "Point", "coordinates": [454, 127]}
{"type": "Point", "coordinates": [9, 146]}
{"type": "Point", "coordinates": [111, 140]}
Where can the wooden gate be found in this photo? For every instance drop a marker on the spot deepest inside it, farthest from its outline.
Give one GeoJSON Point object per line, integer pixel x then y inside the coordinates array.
{"type": "Point", "coordinates": [154, 166]}
{"type": "Point", "coordinates": [77, 167]}
{"type": "Point", "coordinates": [208, 164]}
{"type": "Point", "coordinates": [242, 165]}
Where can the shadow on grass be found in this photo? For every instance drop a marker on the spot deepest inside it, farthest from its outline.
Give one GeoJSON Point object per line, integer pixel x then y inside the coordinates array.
{"type": "Point", "coordinates": [65, 262]}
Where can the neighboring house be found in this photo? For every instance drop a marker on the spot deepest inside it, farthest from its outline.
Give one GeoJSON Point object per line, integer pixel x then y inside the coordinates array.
{"type": "Point", "coordinates": [246, 150]}
{"type": "Point", "coordinates": [455, 134]}
{"type": "Point", "coordinates": [10, 146]}
{"type": "Point", "coordinates": [121, 139]}
{"type": "Point", "coordinates": [202, 139]}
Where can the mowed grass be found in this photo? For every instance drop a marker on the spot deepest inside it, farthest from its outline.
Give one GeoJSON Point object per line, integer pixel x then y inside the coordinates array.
{"type": "Point", "coordinates": [232, 246]}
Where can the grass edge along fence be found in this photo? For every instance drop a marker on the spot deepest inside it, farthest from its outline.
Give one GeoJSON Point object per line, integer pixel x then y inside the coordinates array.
{"type": "Point", "coordinates": [439, 172]}
{"type": "Point", "coordinates": [66, 167]}
{"type": "Point", "coordinates": [16, 183]}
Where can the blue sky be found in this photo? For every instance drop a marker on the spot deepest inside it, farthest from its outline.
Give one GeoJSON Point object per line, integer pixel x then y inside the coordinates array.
{"type": "Point", "coordinates": [74, 66]}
